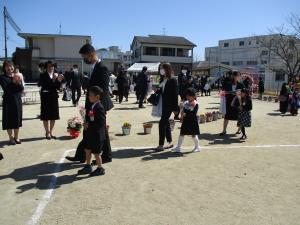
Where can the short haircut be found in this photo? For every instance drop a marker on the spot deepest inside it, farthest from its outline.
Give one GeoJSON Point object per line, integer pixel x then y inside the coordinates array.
{"type": "Point", "coordinates": [86, 49]}
{"type": "Point", "coordinates": [190, 92]}
{"type": "Point", "coordinates": [96, 90]}
{"type": "Point", "coordinates": [75, 66]}
{"type": "Point", "coordinates": [145, 68]}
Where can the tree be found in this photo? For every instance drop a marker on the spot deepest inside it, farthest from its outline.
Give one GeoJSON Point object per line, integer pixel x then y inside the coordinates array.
{"type": "Point", "coordinates": [284, 42]}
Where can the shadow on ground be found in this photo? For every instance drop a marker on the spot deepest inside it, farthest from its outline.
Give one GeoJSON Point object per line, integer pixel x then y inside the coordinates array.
{"type": "Point", "coordinates": [42, 176]}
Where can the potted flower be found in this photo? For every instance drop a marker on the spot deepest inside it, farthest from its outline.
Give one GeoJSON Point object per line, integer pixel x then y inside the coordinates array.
{"type": "Point", "coordinates": [209, 117]}
{"type": "Point", "coordinates": [220, 115]}
{"type": "Point", "coordinates": [270, 98]}
{"type": "Point", "coordinates": [147, 128]}
{"type": "Point", "coordinates": [172, 124]}
{"type": "Point", "coordinates": [126, 128]}
{"type": "Point", "coordinates": [202, 118]}
{"type": "Point", "coordinates": [74, 126]}
{"type": "Point", "coordinates": [265, 98]}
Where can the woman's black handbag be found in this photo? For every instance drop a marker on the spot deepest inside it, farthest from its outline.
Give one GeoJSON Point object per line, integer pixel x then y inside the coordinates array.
{"type": "Point", "coordinates": [67, 95]}
{"type": "Point", "coordinates": [154, 99]}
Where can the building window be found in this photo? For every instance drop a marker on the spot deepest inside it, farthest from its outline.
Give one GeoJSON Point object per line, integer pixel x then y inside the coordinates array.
{"type": "Point", "coordinates": [263, 62]}
{"type": "Point", "coordinates": [226, 45]}
{"type": "Point", "coordinates": [168, 52]}
{"type": "Point", "coordinates": [279, 75]}
{"type": "Point", "coordinates": [181, 52]}
{"type": "Point", "coordinates": [241, 43]}
{"type": "Point", "coordinates": [264, 52]}
{"type": "Point", "coordinates": [237, 63]}
{"type": "Point", "coordinates": [136, 53]}
{"type": "Point", "coordinates": [226, 63]}
{"type": "Point", "coordinates": [150, 51]}
{"type": "Point", "coordinates": [251, 63]}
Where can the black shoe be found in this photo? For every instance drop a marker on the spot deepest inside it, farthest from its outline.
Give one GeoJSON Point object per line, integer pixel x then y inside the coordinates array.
{"type": "Point", "coordinates": [18, 142]}
{"type": "Point", "coordinates": [54, 137]}
{"type": "Point", "coordinates": [94, 163]}
{"type": "Point", "coordinates": [244, 137]}
{"type": "Point", "coordinates": [142, 107]}
{"type": "Point", "coordinates": [238, 132]}
{"type": "Point", "coordinates": [12, 142]}
{"type": "Point", "coordinates": [98, 172]}
{"type": "Point", "coordinates": [222, 134]}
{"type": "Point", "coordinates": [85, 170]}
{"type": "Point", "coordinates": [1, 156]}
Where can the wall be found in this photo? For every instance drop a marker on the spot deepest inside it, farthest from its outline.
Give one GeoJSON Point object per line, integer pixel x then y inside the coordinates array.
{"type": "Point", "coordinates": [68, 47]}
{"type": "Point", "coordinates": [46, 46]}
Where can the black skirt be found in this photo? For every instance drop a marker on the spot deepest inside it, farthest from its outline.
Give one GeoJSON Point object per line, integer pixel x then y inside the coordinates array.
{"type": "Point", "coordinates": [12, 112]}
{"type": "Point", "coordinates": [231, 112]}
{"type": "Point", "coordinates": [49, 106]}
{"type": "Point", "coordinates": [190, 125]}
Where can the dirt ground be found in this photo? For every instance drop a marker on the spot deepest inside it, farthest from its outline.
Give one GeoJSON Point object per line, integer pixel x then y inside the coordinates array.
{"type": "Point", "coordinates": [227, 183]}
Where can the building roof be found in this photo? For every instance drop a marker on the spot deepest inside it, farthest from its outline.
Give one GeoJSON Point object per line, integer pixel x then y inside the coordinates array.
{"type": "Point", "coordinates": [26, 35]}
{"type": "Point", "coordinates": [163, 39]}
{"type": "Point", "coordinates": [137, 67]}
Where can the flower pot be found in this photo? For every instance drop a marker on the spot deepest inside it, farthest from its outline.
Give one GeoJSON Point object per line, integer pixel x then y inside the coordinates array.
{"type": "Point", "coordinates": [74, 133]}
{"type": "Point", "coordinates": [209, 119]}
{"type": "Point", "coordinates": [220, 115]}
{"type": "Point", "coordinates": [265, 98]}
{"type": "Point", "coordinates": [276, 100]}
{"type": "Point", "coordinates": [270, 99]}
{"type": "Point", "coordinates": [202, 119]}
{"type": "Point", "coordinates": [215, 116]}
{"type": "Point", "coordinates": [147, 130]}
{"type": "Point", "coordinates": [126, 130]}
{"type": "Point", "coordinates": [172, 124]}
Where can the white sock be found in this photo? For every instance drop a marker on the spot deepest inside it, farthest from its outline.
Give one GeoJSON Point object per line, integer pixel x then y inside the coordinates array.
{"type": "Point", "coordinates": [180, 141]}
{"type": "Point", "coordinates": [196, 141]}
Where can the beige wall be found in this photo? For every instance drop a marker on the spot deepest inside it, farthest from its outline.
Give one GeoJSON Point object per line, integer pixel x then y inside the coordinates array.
{"type": "Point", "coordinates": [46, 46]}
{"type": "Point", "coordinates": [68, 47]}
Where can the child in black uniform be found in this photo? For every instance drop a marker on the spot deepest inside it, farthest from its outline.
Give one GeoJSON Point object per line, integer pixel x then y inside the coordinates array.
{"type": "Point", "coordinates": [95, 133]}
{"type": "Point", "coordinates": [190, 125]}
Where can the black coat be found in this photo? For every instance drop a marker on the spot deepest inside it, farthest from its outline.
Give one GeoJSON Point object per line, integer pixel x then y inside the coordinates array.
{"type": "Point", "coordinates": [170, 96]}
{"type": "Point", "coordinates": [12, 103]}
{"type": "Point", "coordinates": [122, 82]}
{"type": "Point", "coordinates": [183, 81]}
{"type": "Point", "coordinates": [49, 97]}
{"type": "Point", "coordinates": [142, 82]}
{"type": "Point", "coordinates": [75, 79]}
{"type": "Point", "coordinates": [190, 124]}
{"type": "Point", "coordinates": [100, 78]}
{"type": "Point", "coordinates": [95, 133]}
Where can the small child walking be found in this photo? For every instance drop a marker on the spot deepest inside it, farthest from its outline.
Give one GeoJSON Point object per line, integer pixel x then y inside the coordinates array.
{"type": "Point", "coordinates": [244, 104]}
{"type": "Point", "coordinates": [95, 133]}
{"type": "Point", "coordinates": [190, 124]}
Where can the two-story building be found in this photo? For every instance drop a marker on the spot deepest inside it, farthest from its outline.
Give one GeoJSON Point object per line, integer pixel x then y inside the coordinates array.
{"type": "Point", "coordinates": [63, 49]}
{"type": "Point", "coordinates": [178, 51]}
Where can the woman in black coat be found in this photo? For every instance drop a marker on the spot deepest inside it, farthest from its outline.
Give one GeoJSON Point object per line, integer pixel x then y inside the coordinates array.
{"type": "Point", "coordinates": [231, 88]}
{"type": "Point", "coordinates": [169, 92]}
{"type": "Point", "coordinates": [50, 83]}
{"type": "Point", "coordinates": [12, 87]}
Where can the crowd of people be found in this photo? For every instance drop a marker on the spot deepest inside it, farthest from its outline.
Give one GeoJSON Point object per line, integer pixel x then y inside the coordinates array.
{"type": "Point", "coordinates": [289, 98]}
{"type": "Point", "coordinates": [100, 88]}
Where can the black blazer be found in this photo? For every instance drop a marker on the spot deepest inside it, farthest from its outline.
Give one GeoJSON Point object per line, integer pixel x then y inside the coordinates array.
{"type": "Point", "coordinates": [183, 82]}
{"type": "Point", "coordinates": [75, 79]}
{"type": "Point", "coordinates": [97, 126]}
{"type": "Point", "coordinates": [100, 78]}
{"type": "Point", "coordinates": [170, 96]}
{"type": "Point", "coordinates": [142, 82]}
{"type": "Point", "coordinates": [47, 85]}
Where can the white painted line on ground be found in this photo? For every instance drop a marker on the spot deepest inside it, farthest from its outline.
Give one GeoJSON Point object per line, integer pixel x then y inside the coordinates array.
{"type": "Point", "coordinates": [46, 197]}
{"type": "Point", "coordinates": [219, 147]}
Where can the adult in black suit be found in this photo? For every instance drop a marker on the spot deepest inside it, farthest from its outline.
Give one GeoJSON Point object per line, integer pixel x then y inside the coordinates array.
{"type": "Point", "coordinates": [75, 84]}
{"type": "Point", "coordinates": [122, 83]}
{"type": "Point", "coordinates": [232, 87]}
{"type": "Point", "coordinates": [184, 82]}
{"type": "Point", "coordinates": [50, 83]}
{"type": "Point", "coordinates": [99, 77]}
{"type": "Point", "coordinates": [169, 92]}
{"type": "Point", "coordinates": [142, 86]}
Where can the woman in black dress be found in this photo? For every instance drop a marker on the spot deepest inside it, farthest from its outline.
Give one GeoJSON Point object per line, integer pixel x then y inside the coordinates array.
{"type": "Point", "coordinates": [231, 88]}
{"type": "Point", "coordinates": [169, 96]}
{"type": "Point", "coordinates": [13, 87]}
{"type": "Point", "coordinates": [49, 82]}
{"type": "Point", "coordinates": [284, 99]}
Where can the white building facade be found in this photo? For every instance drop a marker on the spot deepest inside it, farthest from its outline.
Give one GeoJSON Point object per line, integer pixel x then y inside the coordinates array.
{"type": "Point", "coordinates": [247, 52]}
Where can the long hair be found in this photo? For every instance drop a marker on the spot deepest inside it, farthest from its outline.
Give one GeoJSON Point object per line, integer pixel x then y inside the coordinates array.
{"type": "Point", "coordinates": [168, 70]}
{"type": "Point", "coordinates": [5, 63]}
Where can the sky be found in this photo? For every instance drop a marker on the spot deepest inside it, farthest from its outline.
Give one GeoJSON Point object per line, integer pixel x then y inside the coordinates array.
{"type": "Point", "coordinates": [116, 22]}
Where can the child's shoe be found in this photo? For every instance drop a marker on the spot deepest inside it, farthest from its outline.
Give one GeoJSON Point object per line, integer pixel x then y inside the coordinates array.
{"type": "Point", "coordinates": [244, 137]}
{"type": "Point", "coordinates": [176, 149]}
{"type": "Point", "coordinates": [85, 170]}
{"type": "Point", "coordinates": [98, 172]}
{"type": "Point", "coordinates": [196, 149]}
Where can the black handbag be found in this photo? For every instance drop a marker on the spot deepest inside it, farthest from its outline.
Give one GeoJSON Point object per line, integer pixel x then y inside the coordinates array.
{"type": "Point", "coordinates": [67, 95]}
{"type": "Point", "coordinates": [154, 99]}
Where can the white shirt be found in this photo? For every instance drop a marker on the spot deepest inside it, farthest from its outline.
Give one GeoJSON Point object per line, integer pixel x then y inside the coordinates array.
{"type": "Point", "coordinates": [50, 75]}
{"type": "Point", "coordinates": [163, 84]}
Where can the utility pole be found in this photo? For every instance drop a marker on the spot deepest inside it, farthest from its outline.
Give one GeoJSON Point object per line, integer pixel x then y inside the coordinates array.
{"type": "Point", "coordinates": [59, 27]}
{"type": "Point", "coordinates": [5, 34]}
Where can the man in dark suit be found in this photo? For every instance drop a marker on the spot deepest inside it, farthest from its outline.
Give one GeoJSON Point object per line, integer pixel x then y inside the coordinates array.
{"type": "Point", "coordinates": [184, 80]}
{"type": "Point", "coordinates": [99, 77]}
{"type": "Point", "coordinates": [75, 84]}
{"type": "Point", "coordinates": [142, 86]}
